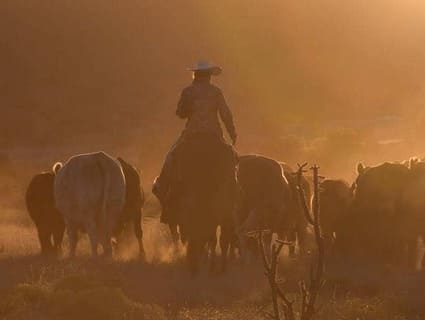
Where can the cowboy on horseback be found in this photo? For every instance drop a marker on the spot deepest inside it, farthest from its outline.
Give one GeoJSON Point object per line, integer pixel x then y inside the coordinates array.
{"type": "Point", "coordinates": [203, 105]}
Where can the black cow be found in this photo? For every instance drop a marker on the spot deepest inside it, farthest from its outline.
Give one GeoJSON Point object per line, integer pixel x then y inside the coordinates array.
{"type": "Point", "coordinates": [375, 225]}
{"type": "Point", "coordinates": [335, 197]}
{"type": "Point", "coordinates": [40, 205]}
{"type": "Point", "coordinates": [134, 201]}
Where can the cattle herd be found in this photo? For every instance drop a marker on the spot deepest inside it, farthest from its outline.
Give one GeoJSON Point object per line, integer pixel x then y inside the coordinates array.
{"type": "Point", "coordinates": [91, 192]}
{"type": "Point", "coordinates": [378, 217]}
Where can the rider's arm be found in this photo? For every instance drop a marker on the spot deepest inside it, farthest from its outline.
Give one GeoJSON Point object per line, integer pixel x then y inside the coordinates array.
{"type": "Point", "coordinates": [183, 106]}
{"type": "Point", "coordinates": [226, 116]}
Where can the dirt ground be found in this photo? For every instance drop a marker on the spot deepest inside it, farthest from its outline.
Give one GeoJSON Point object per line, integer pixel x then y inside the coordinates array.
{"type": "Point", "coordinates": [161, 288]}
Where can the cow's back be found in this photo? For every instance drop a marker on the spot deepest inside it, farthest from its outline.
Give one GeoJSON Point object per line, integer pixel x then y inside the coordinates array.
{"type": "Point", "coordinates": [89, 185]}
{"type": "Point", "coordinates": [261, 178]}
{"type": "Point", "coordinates": [265, 191]}
{"type": "Point", "coordinates": [335, 199]}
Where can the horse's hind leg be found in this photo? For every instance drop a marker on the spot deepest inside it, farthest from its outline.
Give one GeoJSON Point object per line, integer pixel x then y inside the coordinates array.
{"type": "Point", "coordinates": [139, 233]}
{"type": "Point", "coordinates": [194, 251]}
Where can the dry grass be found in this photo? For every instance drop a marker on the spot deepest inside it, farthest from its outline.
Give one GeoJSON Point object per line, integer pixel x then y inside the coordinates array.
{"type": "Point", "coordinates": [126, 288]}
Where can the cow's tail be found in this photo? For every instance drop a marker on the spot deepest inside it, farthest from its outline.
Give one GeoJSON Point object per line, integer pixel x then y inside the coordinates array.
{"type": "Point", "coordinates": [109, 222]}
{"type": "Point", "coordinates": [104, 196]}
{"type": "Point", "coordinates": [56, 167]}
{"type": "Point", "coordinates": [103, 208]}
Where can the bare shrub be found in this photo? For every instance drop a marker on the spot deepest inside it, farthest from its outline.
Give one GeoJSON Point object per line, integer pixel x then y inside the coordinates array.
{"type": "Point", "coordinates": [308, 290]}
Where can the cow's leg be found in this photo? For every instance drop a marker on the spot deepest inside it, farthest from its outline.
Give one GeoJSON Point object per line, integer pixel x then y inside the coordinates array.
{"type": "Point", "coordinates": [421, 253]}
{"type": "Point", "coordinates": [174, 233]}
{"type": "Point", "coordinates": [92, 232]}
{"type": "Point", "coordinates": [212, 244]}
{"type": "Point", "coordinates": [284, 235]}
{"type": "Point", "coordinates": [116, 233]}
{"type": "Point", "coordinates": [194, 252]}
{"type": "Point", "coordinates": [250, 253]}
{"type": "Point", "coordinates": [105, 236]}
{"type": "Point", "coordinates": [248, 248]}
{"type": "Point", "coordinates": [72, 231]}
{"type": "Point", "coordinates": [411, 252]}
{"type": "Point", "coordinates": [302, 239]}
{"type": "Point", "coordinates": [58, 232]}
{"type": "Point", "coordinates": [268, 244]}
{"type": "Point", "coordinates": [175, 237]}
{"type": "Point", "coordinates": [249, 223]}
{"type": "Point", "coordinates": [225, 240]}
{"type": "Point", "coordinates": [328, 240]}
{"type": "Point", "coordinates": [138, 231]}
{"type": "Point", "coordinates": [234, 245]}
{"type": "Point", "coordinates": [106, 244]}
{"type": "Point", "coordinates": [46, 242]}
{"type": "Point", "coordinates": [44, 237]}
{"type": "Point", "coordinates": [292, 238]}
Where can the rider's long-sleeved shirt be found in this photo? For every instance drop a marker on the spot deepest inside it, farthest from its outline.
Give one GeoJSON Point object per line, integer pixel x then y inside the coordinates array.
{"type": "Point", "coordinates": [201, 103]}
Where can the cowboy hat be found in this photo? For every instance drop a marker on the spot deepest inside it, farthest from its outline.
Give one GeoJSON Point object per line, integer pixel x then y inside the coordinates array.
{"type": "Point", "coordinates": [206, 66]}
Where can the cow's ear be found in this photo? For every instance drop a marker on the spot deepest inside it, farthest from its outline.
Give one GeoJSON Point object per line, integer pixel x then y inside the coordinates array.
{"type": "Point", "coordinates": [360, 168]}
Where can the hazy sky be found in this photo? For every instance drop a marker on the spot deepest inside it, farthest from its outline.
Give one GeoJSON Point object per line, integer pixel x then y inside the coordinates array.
{"type": "Point", "coordinates": [75, 62]}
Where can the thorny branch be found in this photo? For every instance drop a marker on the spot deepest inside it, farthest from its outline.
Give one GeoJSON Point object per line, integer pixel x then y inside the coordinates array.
{"type": "Point", "coordinates": [309, 293]}
{"type": "Point", "coordinates": [316, 282]}
{"type": "Point", "coordinates": [301, 193]}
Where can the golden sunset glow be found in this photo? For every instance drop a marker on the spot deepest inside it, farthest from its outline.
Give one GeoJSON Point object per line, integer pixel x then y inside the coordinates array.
{"type": "Point", "coordinates": [120, 94]}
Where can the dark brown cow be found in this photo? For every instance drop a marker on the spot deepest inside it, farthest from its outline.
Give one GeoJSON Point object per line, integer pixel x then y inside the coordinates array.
{"type": "Point", "coordinates": [299, 227]}
{"type": "Point", "coordinates": [413, 204]}
{"type": "Point", "coordinates": [134, 201]}
{"type": "Point", "coordinates": [374, 227]}
{"type": "Point", "coordinates": [48, 221]}
{"type": "Point", "coordinates": [335, 198]}
{"type": "Point", "coordinates": [265, 197]}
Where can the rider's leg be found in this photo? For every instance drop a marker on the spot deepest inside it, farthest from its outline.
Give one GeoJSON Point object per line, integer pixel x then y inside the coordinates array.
{"type": "Point", "coordinates": [163, 182]}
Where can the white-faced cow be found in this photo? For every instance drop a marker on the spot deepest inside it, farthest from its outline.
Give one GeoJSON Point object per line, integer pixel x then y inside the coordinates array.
{"type": "Point", "coordinates": [90, 193]}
